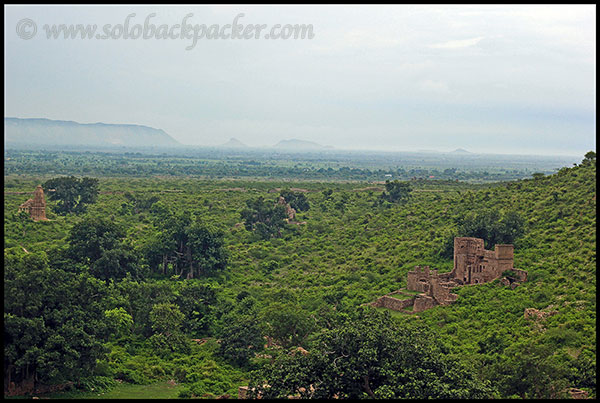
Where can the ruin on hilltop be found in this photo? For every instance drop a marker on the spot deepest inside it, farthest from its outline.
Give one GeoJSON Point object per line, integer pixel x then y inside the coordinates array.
{"type": "Point", "coordinates": [473, 264]}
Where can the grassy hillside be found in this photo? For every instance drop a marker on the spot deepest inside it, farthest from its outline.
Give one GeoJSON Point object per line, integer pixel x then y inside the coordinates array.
{"type": "Point", "coordinates": [349, 252]}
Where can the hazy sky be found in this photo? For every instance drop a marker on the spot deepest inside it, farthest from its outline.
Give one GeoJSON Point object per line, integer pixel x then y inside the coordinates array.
{"type": "Point", "coordinates": [498, 79]}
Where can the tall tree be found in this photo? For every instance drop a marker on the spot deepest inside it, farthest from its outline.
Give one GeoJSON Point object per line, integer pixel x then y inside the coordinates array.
{"type": "Point", "coordinates": [189, 246]}
{"type": "Point", "coordinates": [98, 243]}
{"type": "Point", "coordinates": [368, 356]}
{"type": "Point", "coordinates": [50, 336]}
{"type": "Point", "coordinates": [265, 218]}
{"type": "Point", "coordinates": [72, 194]}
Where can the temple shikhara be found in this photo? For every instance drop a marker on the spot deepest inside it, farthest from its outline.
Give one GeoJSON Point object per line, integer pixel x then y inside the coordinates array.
{"type": "Point", "coordinates": [473, 264]}
{"type": "Point", "coordinates": [36, 207]}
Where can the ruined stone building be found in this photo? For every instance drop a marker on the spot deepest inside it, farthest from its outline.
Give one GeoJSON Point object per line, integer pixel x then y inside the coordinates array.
{"type": "Point", "coordinates": [473, 264]}
{"type": "Point", "coordinates": [36, 207]}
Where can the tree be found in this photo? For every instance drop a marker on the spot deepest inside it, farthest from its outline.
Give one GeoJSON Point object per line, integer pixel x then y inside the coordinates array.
{"type": "Point", "coordinates": [98, 243]}
{"type": "Point", "coordinates": [589, 158]}
{"type": "Point", "coordinates": [116, 264]}
{"type": "Point", "coordinates": [267, 219]}
{"type": "Point", "coordinates": [140, 202]}
{"type": "Point", "coordinates": [296, 200]}
{"type": "Point", "coordinates": [166, 322]}
{"type": "Point", "coordinates": [119, 322]}
{"type": "Point", "coordinates": [368, 356]}
{"type": "Point", "coordinates": [187, 244]}
{"type": "Point", "coordinates": [196, 301]}
{"type": "Point", "coordinates": [538, 175]}
{"type": "Point", "coordinates": [492, 226]}
{"type": "Point", "coordinates": [71, 193]}
{"type": "Point", "coordinates": [206, 249]}
{"type": "Point", "coordinates": [286, 323]}
{"type": "Point", "coordinates": [92, 236]}
{"type": "Point", "coordinates": [54, 322]}
{"type": "Point", "coordinates": [397, 192]}
{"type": "Point", "coordinates": [240, 333]}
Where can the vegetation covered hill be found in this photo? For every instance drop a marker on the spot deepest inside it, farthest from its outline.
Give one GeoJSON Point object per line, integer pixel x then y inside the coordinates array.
{"type": "Point", "coordinates": [47, 132]}
{"type": "Point", "coordinates": [301, 288]}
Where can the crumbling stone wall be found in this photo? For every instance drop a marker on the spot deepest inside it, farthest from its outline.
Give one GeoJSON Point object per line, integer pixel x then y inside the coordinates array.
{"type": "Point", "coordinates": [418, 279]}
{"type": "Point", "coordinates": [394, 303]}
{"type": "Point", "coordinates": [423, 302]}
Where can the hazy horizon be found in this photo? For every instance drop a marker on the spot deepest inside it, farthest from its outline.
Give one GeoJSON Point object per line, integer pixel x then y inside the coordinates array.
{"type": "Point", "coordinates": [514, 80]}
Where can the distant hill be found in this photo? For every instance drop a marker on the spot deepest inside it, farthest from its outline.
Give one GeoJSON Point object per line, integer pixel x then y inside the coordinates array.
{"type": "Point", "coordinates": [68, 133]}
{"type": "Point", "coordinates": [460, 151]}
{"type": "Point", "coordinates": [234, 143]}
{"type": "Point", "coordinates": [295, 144]}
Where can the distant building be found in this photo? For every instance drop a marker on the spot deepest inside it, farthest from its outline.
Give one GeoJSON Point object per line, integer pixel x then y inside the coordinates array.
{"type": "Point", "coordinates": [473, 264]}
{"type": "Point", "coordinates": [36, 207]}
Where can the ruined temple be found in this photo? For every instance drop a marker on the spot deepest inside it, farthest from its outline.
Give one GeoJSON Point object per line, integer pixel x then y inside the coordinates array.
{"type": "Point", "coordinates": [473, 264]}
{"type": "Point", "coordinates": [36, 207]}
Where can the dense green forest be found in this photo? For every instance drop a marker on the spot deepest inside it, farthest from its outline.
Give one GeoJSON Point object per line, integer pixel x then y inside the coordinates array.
{"type": "Point", "coordinates": [202, 282]}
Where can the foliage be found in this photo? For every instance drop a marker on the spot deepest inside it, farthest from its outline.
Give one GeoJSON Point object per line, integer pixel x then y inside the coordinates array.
{"type": "Point", "coordinates": [296, 200]}
{"type": "Point", "coordinates": [98, 243]}
{"type": "Point", "coordinates": [166, 322]}
{"type": "Point", "coordinates": [139, 203]}
{"type": "Point", "coordinates": [396, 192]}
{"type": "Point", "coordinates": [72, 194]}
{"type": "Point", "coordinates": [240, 333]}
{"type": "Point", "coordinates": [368, 357]}
{"type": "Point", "coordinates": [190, 247]}
{"type": "Point", "coordinates": [267, 219]}
{"type": "Point", "coordinates": [492, 226]}
{"type": "Point", "coordinates": [119, 322]}
{"type": "Point", "coordinates": [49, 334]}
{"type": "Point", "coordinates": [346, 255]}
{"type": "Point", "coordinates": [286, 323]}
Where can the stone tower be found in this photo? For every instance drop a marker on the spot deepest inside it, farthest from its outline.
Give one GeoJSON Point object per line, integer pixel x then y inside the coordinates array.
{"type": "Point", "coordinates": [36, 207]}
{"type": "Point", "coordinates": [473, 264]}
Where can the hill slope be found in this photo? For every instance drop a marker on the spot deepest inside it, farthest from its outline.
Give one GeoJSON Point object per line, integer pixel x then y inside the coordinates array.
{"type": "Point", "coordinates": [350, 252]}
{"type": "Point", "coordinates": [68, 133]}
{"type": "Point", "coordinates": [233, 143]}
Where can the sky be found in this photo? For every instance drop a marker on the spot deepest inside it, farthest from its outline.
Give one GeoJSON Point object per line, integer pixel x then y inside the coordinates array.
{"type": "Point", "coordinates": [488, 79]}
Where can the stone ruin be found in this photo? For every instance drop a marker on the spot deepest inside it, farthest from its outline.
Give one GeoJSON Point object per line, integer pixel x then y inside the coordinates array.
{"type": "Point", "coordinates": [473, 264]}
{"type": "Point", "coordinates": [290, 212]}
{"type": "Point", "coordinates": [36, 207]}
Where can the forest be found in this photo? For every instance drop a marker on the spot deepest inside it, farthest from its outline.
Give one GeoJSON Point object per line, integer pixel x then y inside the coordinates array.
{"type": "Point", "coordinates": [154, 272]}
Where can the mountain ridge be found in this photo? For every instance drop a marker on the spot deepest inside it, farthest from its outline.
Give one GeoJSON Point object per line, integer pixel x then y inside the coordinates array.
{"type": "Point", "coordinates": [43, 131]}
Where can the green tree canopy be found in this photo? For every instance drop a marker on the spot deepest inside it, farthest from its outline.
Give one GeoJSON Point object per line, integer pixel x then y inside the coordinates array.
{"type": "Point", "coordinates": [189, 246]}
{"type": "Point", "coordinates": [166, 319]}
{"type": "Point", "coordinates": [72, 194]}
{"type": "Point", "coordinates": [492, 226]}
{"type": "Point", "coordinates": [368, 357]}
{"type": "Point", "coordinates": [54, 322]}
{"type": "Point", "coordinates": [296, 200]}
{"type": "Point", "coordinates": [264, 217]}
{"type": "Point", "coordinates": [396, 192]}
